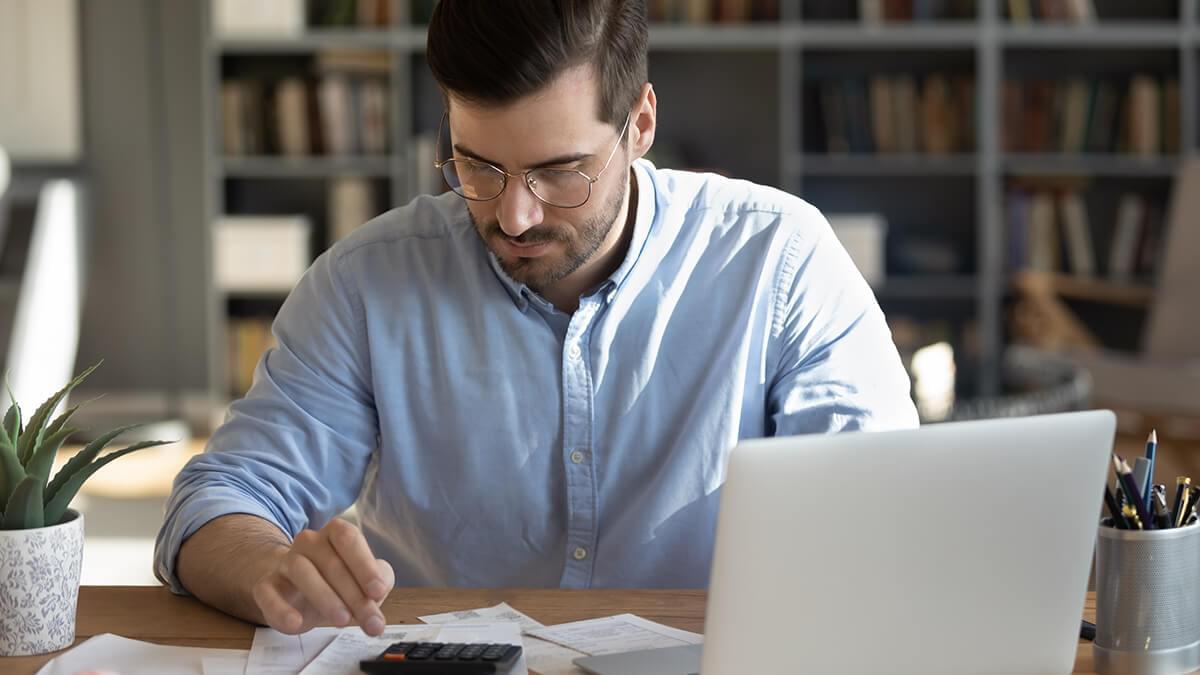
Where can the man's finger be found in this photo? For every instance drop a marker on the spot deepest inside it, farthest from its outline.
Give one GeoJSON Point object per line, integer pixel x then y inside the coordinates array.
{"type": "Point", "coordinates": [277, 612]}
{"type": "Point", "coordinates": [350, 544]}
{"type": "Point", "coordinates": [338, 576]}
{"type": "Point", "coordinates": [301, 571]}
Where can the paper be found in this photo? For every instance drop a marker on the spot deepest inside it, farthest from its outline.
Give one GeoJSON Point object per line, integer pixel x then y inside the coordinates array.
{"type": "Point", "coordinates": [616, 634]}
{"type": "Point", "coordinates": [342, 655]}
{"type": "Point", "coordinates": [224, 665]}
{"type": "Point", "coordinates": [547, 658]}
{"type": "Point", "coordinates": [498, 613]}
{"type": "Point", "coordinates": [350, 646]}
{"type": "Point", "coordinates": [134, 657]}
{"type": "Point", "coordinates": [544, 658]}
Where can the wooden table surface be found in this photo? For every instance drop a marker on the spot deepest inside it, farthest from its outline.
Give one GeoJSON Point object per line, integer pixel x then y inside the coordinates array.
{"type": "Point", "coordinates": [155, 615]}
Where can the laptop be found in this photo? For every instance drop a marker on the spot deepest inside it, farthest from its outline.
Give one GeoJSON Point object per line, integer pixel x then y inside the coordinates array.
{"type": "Point", "coordinates": [954, 548]}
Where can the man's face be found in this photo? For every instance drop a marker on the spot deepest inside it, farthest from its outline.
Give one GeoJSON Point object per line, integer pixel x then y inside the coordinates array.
{"type": "Point", "coordinates": [535, 243]}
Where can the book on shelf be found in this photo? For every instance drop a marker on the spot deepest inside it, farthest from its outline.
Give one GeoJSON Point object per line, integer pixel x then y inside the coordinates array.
{"type": "Point", "coordinates": [1068, 11]}
{"type": "Point", "coordinates": [340, 109]}
{"type": "Point", "coordinates": [1139, 116]}
{"type": "Point", "coordinates": [347, 13]}
{"type": "Point", "coordinates": [1051, 231]}
{"type": "Point", "coordinates": [898, 114]}
{"type": "Point", "coordinates": [260, 254]}
{"type": "Point", "coordinates": [351, 203]}
{"type": "Point", "coordinates": [864, 237]}
{"type": "Point", "coordinates": [249, 338]}
{"type": "Point", "coordinates": [874, 12]}
{"type": "Point", "coordinates": [260, 18]}
{"type": "Point", "coordinates": [712, 11]}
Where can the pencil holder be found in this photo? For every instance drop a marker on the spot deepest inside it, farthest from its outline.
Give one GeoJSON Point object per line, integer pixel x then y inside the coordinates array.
{"type": "Point", "coordinates": [1147, 601]}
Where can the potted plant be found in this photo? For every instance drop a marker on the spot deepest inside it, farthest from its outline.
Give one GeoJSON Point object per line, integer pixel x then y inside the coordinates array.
{"type": "Point", "coordinates": [41, 539]}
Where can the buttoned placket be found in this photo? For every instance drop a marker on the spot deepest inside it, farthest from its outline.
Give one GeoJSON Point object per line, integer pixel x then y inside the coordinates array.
{"type": "Point", "coordinates": [578, 443]}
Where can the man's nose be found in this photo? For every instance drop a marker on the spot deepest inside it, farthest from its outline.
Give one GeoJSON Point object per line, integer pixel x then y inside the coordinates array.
{"type": "Point", "coordinates": [519, 209]}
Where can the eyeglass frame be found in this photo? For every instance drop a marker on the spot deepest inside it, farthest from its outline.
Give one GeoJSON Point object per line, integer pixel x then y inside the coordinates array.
{"type": "Point", "coordinates": [439, 164]}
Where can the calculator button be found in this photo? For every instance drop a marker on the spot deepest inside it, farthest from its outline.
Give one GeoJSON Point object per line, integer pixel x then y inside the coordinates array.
{"type": "Point", "coordinates": [495, 652]}
{"type": "Point", "coordinates": [388, 656]}
{"type": "Point", "coordinates": [448, 652]}
{"type": "Point", "coordinates": [471, 652]}
{"type": "Point", "coordinates": [400, 648]}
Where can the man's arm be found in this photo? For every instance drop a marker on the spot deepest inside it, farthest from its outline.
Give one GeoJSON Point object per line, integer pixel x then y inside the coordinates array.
{"type": "Point", "coordinates": [203, 563]}
{"type": "Point", "coordinates": [328, 576]}
{"type": "Point", "coordinates": [291, 456]}
{"type": "Point", "coordinates": [835, 365]}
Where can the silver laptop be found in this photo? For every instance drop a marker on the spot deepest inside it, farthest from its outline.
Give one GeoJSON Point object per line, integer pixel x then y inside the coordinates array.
{"type": "Point", "coordinates": [954, 548]}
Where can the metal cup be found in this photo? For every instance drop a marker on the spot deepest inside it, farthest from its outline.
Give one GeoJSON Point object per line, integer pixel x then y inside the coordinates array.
{"type": "Point", "coordinates": [1147, 601]}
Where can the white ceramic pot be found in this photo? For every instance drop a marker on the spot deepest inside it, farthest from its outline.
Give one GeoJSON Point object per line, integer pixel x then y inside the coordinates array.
{"type": "Point", "coordinates": [39, 587]}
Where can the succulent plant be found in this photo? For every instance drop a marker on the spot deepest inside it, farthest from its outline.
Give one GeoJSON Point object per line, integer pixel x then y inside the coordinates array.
{"type": "Point", "coordinates": [28, 498]}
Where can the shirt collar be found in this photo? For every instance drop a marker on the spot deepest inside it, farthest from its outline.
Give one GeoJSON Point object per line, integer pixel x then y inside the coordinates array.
{"type": "Point", "coordinates": [522, 295]}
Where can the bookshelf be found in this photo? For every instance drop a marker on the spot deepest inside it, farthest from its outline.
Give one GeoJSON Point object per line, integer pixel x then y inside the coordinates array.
{"type": "Point", "coordinates": [757, 113]}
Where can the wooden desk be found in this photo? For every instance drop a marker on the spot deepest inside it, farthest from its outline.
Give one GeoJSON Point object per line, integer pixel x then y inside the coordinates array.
{"type": "Point", "coordinates": [153, 614]}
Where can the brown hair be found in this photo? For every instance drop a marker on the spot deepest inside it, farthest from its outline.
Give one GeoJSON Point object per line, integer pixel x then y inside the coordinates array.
{"type": "Point", "coordinates": [494, 52]}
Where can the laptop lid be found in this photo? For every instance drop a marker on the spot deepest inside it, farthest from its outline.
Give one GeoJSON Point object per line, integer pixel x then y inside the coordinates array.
{"type": "Point", "coordinates": [954, 548]}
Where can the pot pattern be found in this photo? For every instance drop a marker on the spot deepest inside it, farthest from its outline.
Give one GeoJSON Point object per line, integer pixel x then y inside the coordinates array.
{"type": "Point", "coordinates": [39, 588]}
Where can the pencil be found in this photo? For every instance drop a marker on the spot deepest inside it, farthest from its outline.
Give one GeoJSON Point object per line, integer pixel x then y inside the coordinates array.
{"type": "Point", "coordinates": [1162, 517]}
{"type": "Point", "coordinates": [1183, 485]}
{"type": "Point", "coordinates": [1118, 520]}
{"type": "Point", "coordinates": [1125, 475]}
{"type": "Point", "coordinates": [1131, 515]}
{"type": "Point", "coordinates": [1151, 451]}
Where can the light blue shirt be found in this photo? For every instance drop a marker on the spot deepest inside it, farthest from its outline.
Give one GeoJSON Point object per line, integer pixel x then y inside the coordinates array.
{"type": "Point", "coordinates": [493, 441]}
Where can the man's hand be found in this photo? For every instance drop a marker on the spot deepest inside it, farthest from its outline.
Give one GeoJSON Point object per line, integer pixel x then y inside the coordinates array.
{"type": "Point", "coordinates": [326, 576]}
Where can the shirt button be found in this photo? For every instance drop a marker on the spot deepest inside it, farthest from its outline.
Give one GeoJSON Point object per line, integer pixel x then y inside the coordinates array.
{"type": "Point", "coordinates": [577, 457]}
{"type": "Point", "coordinates": [575, 352]}
{"type": "Point", "coordinates": [580, 553]}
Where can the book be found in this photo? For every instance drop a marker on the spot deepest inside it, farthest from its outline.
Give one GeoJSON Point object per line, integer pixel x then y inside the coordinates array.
{"type": "Point", "coordinates": [1130, 218]}
{"type": "Point", "coordinates": [291, 114]}
{"type": "Point", "coordinates": [936, 116]}
{"type": "Point", "coordinates": [334, 96]}
{"type": "Point", "coordinates": [904, 108]}
{"type": "Point", "coordinates": [1081, 255]}
{"type": "Point", "coordinates": [882, 116]}
{"type": "Point", "coordinates": [1145, 122]}
{"type": "Point", "coordinates": [256, 254]}
{"type": "Point", "coordinates": [834, 114]}
{"type": "Point", "coordinates": [351, 204]}
{"type": "Point", "coordinates": [1020, 11]}
{"type": "Point", "coordinates": [1043, 253]}
{"type": "Point", "coordinates": [863, 235]}
{"type": "Point", "coordinates": [238, 18]}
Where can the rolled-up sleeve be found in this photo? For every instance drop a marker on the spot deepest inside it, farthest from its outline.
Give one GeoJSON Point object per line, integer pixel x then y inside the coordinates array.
{"type": "Point", "coordinates": [837, 368]}
{"type": "Point", "coordinates": [295, 449]}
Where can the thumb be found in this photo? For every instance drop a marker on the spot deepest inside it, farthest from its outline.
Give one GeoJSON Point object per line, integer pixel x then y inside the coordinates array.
{"type": "Point", "coordinates": [387, 575]}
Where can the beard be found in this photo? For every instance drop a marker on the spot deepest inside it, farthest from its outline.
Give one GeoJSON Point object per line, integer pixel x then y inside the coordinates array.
{"type": "Point", "coordinates": [579, 244]}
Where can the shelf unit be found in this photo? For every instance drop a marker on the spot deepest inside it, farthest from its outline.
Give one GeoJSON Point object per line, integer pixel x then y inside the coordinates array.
{"type": "Point", "coordinates": [751, 116]}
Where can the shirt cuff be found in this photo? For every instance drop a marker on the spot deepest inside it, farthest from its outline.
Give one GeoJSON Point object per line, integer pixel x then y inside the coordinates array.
{"type": "Point", "coordinates": [190, 514]}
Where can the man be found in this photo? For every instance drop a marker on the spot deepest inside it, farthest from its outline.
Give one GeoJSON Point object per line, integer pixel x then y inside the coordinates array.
{"type": "Point", "coordinates": [533, 380]}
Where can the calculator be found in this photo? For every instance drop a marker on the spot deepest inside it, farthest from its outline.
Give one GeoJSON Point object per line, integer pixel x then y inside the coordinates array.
{"type": "Point", "coordinates": [443, 658]}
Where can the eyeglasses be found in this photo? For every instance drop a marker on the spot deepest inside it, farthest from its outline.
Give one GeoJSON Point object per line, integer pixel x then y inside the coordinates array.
{"type": "Point", "coordinates": [481, 182]}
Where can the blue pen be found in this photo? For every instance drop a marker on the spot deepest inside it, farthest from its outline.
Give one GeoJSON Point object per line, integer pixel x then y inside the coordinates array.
{"type": "Point", "coordinates": [1151, 449]}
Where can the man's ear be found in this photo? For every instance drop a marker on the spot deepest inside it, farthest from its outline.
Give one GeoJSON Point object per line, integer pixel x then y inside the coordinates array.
{"type": "Point", "coordinates": [643, 123]}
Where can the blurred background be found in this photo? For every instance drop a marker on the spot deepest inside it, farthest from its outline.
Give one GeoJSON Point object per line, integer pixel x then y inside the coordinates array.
{"type": "Point", "coordinates": [1016, 178]}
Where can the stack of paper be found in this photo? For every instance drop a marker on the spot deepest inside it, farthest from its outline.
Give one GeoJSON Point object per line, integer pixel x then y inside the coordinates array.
{"type": "Point", "coordinates": [548, 650]}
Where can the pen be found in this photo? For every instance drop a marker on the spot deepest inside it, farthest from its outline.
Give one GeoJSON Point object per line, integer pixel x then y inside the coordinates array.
{"type": "Point", "coordinates": [1118, 520]}
{"type": "Point", "coordinates": [1131, 515]}
{"type": "Point", "coordinates": [1162, 517]}
{"type": "Point", "coordinates": [1125, 475]}
{"type": "Point", "coordinates": [1143, 477]}
{"type": "Point", "coordinates": [1182, 486]}
{"type": "Point", "coordinates": [1151, 451]}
